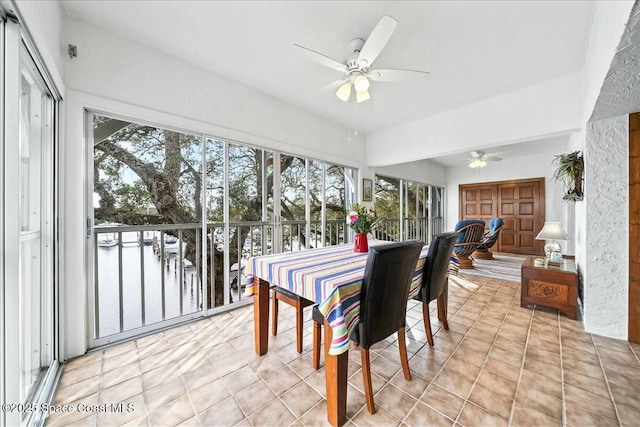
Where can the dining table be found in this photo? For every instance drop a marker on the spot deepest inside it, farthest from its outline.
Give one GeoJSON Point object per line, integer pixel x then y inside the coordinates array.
{"type": "Point", "coordinates": [331, 277]}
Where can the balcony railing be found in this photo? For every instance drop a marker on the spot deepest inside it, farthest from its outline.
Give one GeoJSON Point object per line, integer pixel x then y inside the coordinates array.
{"type": "Point", "coordinates": [142, 276]}
{"type": "Point", "coordinates": [413, 229]}
{"type": "Point", "coordinates": [147, 276]}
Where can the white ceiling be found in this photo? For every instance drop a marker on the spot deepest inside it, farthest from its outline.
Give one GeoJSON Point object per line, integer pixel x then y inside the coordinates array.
{"type": "Point", "coordinates": [474, 50]}
{"type": "Point", "coordinates": [553, 145]}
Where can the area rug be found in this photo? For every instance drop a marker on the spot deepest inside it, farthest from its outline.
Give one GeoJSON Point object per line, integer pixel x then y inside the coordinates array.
{"type": "Point", "coordinates": [501, 267]}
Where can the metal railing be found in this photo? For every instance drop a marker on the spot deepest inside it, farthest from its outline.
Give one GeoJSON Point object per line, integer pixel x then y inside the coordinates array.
{"type": "Point", "coordinates": [142, 276]}
{"type": "Point", "coordinates": [149, 276]}
{"type": "Point", "coordinates": [412, 229]}
{"type": "Point", "coordinates": [294, 234]}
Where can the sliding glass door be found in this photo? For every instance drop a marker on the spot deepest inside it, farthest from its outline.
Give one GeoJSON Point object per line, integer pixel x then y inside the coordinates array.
{"type": "Point", "coordinates": [36, 232]}
{"type": "Point", "coordinates": [29, 353]}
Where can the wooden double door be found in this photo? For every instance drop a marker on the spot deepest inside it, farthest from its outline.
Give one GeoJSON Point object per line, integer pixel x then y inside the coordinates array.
{"type": "Point", "coordinates": [520, 204]}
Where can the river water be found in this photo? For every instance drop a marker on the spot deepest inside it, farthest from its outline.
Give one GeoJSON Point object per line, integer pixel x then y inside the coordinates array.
{"type": "Point", "coordinates": [174, 286]}
{"type": "Point", "coordinates": [108, 272]}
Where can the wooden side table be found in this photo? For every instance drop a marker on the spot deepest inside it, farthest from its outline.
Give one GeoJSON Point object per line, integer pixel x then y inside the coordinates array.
{"type": "Point", "coordinates": [555, 287]}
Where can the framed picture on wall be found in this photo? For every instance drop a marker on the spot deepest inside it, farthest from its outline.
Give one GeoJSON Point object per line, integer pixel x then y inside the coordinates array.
{"type": "Point", "coordinates": [367, 190]}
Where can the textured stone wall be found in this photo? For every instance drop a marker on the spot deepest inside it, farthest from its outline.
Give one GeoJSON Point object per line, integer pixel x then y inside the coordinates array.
{"type": "Point", "coordinates": [606, 197]}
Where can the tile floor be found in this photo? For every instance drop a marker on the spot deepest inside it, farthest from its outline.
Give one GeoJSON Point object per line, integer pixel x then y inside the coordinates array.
{"type": "Point", "coordinates": [499, 364]}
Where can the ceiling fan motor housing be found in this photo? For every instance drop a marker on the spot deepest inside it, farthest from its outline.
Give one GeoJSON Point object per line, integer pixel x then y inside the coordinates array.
{"type": "Point", "coordinates": [355, 68]}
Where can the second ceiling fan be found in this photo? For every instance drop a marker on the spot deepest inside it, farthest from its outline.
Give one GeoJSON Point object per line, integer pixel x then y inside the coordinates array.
{"type": "Point", "coordinates": [479, 159]}
{"type": "Point", "coordinates": [356, 69]}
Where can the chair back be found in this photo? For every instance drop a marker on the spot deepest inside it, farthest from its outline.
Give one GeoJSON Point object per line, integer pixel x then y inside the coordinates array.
{"type": "Point", "coordinates": [436, 266]}
{"type": "Point", "coordinates": [471, 231]}
{"type": "Point", "coordinates": [385, 290]}
{"type": "Point", "coordinates": [491, 237]}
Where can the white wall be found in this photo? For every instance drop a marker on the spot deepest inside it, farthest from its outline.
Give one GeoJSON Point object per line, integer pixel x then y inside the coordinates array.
{"type": "Point", "coordinates": [606, 270]}
{"type": "Point", "coordinates": [422, 171]}
{"type": "Point", "coordinates": [604, 307]}
{"type": "Point", "coordinates": [578, 212]}
{"type": "Point", "coordinates": [115, 75]}
{"type": "Point", "coordinates": [537, 166]}
{"type": "Point", "coordinates": [537, 112]}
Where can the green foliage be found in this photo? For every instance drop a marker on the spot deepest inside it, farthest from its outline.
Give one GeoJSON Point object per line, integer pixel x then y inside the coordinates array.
{"type": "Point", "coordinates": [361, 219]}
{"type": "Point", "coordinates": [569, 172]}
{"type": "Point", "coordinates": [387, 198]}
{"type": "Point", "coordinates": [177, 157]}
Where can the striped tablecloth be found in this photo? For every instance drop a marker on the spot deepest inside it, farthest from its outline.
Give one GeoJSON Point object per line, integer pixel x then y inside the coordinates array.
{"type": "Point", "coordinates": [332, 277]}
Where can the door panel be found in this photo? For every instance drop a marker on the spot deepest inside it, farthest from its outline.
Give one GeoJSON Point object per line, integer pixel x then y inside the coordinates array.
{"type": "Point", "coordinates": [519, 203]}
{"type": "Point", "coordinates": [479, 202]}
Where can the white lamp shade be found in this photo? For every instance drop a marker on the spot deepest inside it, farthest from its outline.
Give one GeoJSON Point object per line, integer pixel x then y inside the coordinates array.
{"type": "Point", "coordinates": [552, 231]}
{"type": "Point", "coordinates": [361, 84]}
{"type": "Point", "coordinates": [362, 96]}
{"type": "Point", "coordinates": [344, 91]}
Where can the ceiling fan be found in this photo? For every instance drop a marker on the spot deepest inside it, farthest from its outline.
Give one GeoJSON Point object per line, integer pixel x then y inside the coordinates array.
{"type": "Point", "coordinates": [479, 159]}
{"type": "Point", "coordinates": [356, 69]}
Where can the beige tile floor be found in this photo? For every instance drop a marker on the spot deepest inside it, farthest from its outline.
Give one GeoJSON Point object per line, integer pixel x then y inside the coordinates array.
{"type": "Point", "coordinates": [499, 364]}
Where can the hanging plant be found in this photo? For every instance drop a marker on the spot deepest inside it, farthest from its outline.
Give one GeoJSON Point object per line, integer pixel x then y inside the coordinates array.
{"type": "Point", "coordinates": [569, 172]}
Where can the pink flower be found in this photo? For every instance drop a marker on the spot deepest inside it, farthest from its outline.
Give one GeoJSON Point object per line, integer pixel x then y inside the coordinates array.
{"type": "Point", "coordinates": [352, 218]}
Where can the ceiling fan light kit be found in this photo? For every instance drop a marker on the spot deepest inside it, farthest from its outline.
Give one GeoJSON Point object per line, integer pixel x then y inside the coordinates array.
{"type": "Point", "coordinates": [479, 159]}
{"type": "Point", "coordinates": [362, 96]}
{"type": "Point", "coordinates": [344, 92]}
{"type": "Point", "coordinates": [361, 84]}
{"type": "Point", "coordinates": [356, 67]}
{"type": "Point", "coordinates": [477, 163]}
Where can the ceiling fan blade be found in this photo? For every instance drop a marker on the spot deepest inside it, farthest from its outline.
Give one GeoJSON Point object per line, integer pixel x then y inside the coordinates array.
{"type": "Point", "coordinates": [397, 75]}
{"type": "Point", "coordinates": [477, 154]}
{"type": "Point", "coordinates": [321, 59]}
{"type": "Point", "coordinates": [491, 158]}
{"type": "Point", "coordinates": [377, 40]}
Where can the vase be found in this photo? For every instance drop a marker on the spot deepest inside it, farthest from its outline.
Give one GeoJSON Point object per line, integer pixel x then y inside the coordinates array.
{"type": "Point", "coordinates": [361, 244]}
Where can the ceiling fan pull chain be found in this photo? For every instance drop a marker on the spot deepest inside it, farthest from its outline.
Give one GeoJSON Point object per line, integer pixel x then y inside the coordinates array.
{"type": "Point", "coordinates": [355, 119]}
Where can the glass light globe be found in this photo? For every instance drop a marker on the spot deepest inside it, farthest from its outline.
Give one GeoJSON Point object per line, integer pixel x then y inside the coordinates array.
{"type": "Point", "coordinates": [344, 92]}
{"type": "Point", "coordinates": [361, 84]}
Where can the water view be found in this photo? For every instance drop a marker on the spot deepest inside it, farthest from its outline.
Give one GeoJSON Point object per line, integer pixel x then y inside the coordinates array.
{"type": "Point", "coordinates": [178, 289]}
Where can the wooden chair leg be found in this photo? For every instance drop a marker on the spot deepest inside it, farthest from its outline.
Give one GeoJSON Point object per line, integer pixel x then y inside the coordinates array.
{"type": "Point", "coordinates": [274, 313]}
{"type": "Point", "coordinates": [402, 346]}
{"type": "Point", "coordinates": [299, 326]}
{"type": "Point", "coordinates": [317, 341]}
{"type": "Point", "coordinates": [443, 301]}
{"type": "Point", "coordinates": [427, 323]}
{"type": "Point", "coordinates": [366, 380]}
{"type": "Point", "coordinates": [442, 311]}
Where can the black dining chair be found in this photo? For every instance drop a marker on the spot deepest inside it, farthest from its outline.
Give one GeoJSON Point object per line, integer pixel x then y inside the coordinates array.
{"type": "Point", "coordinates": [383, 306]}
{"type": "Point", "coordinates": [299, 303]}
{"type": "Point", "coordinates": [435, 275]}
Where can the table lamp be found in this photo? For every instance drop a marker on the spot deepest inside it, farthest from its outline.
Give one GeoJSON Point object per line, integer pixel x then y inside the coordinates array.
{"type": "Point", "coordinates": [552, 231]}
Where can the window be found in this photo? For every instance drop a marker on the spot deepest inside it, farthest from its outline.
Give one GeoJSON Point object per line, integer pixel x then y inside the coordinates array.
{"type": "Point", "coordinates": [168, 247]}
{"type": "Point", "coordinates": [408, 210]}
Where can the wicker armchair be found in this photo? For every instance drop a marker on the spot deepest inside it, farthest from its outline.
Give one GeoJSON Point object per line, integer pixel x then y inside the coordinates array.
{"type": "Point", "coordinates": [489, 239]}
{"type": "Point", "coordinates": [469, 239]}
